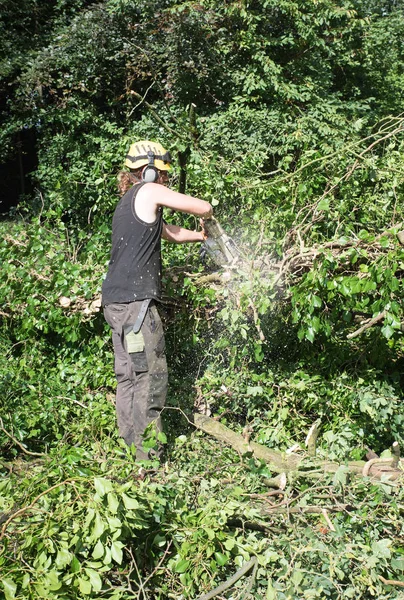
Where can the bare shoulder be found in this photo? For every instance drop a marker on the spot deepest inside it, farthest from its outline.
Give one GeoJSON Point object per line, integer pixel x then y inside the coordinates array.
{"type": "Point", "coordinates": [159, 195]}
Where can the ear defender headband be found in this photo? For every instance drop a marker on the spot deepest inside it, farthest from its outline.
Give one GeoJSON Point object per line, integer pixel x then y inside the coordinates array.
{"type": "Point", "coordinates": [150, 174]}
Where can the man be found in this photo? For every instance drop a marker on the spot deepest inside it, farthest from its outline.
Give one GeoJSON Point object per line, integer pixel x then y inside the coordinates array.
{"type": "Point", "coordinates": [132, 287]}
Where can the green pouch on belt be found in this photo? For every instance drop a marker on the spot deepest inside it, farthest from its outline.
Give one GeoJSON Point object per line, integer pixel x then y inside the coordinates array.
{"type": "Point", "coordinates": [135, 346]}
{"type": "Point", "coordinates": [134, 341]}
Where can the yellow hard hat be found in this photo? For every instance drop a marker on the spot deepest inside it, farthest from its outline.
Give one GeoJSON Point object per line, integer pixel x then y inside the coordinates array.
{"type": "Point", "coordinates": [143, 152]}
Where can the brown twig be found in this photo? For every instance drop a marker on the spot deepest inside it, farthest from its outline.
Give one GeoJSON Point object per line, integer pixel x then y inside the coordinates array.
{"type": "Point", "coordinates": [369, 323]}
{"type": "Point", "coordinates": [30, 506]}
{"type": "Point", "coordinates": [257, 321]}
{"type": "Point", "coordinates": [15, 441]}
{"type": "Point", "coordinates": [391, 581]}
{"type": "Point", "coordinates": [251, 564]}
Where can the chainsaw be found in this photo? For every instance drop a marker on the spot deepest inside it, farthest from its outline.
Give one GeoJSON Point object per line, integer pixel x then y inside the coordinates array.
{"type": "Point", "coordinates": [220, 248]}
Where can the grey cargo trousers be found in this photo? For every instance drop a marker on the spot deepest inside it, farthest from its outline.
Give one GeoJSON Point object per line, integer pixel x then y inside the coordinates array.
{"type": "Point", "coordinates": [141, 375]}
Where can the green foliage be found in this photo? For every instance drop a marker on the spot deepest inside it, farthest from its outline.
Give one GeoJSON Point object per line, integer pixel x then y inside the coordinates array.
{"type": "Point", "coordinates": [298, 144]}
{"type": "Point", "coordinates": [103, 530]}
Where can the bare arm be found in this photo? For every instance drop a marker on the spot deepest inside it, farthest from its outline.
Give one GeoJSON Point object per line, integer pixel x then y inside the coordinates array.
{"type": "Point", "coordinates": [154, 195]}
{"type": "Point", "coordinates": [179, 235]}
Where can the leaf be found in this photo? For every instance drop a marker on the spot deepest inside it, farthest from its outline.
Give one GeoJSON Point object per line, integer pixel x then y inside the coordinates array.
{"type": "Point", "coordinates": [316, 301]}
{"type": "Point", "coordinates": [95, 579]}
{"type": "Point", "coordinates": [309, 334]}
{"type": "Point", "coordinates": [75, 565]}
{"type": "Point", "coordinates": [113, 502]}
{"type": "Point", "coordinates": [254, 390]}
{"type": "Point", "coordinates": [63, 558]}
{"type": "Point", "coordinates": [10, 588]}
{"type": "Point", "coordinates": [297, 577]}
{"type": "Point", "coordinates": [181, 566]}
{"type": "Point", "coordinates": [102, 486]}
{"type": "Point", "coordinates": [229, 544]}
{"type": "Point", "coordinates": [161, 436]}
{"type": "Point", "coordinates": [324, 204]}
{"type": "Point", "coordinates": [129, 502]}
{"type": "Point", "coordinates": [85, 586]}
{"type": "Point", "coordinates": [116, 552]}
{"type": "Point", "coordinates": [388, 331]}
{"type": "Point", "coordinates": [381, 549]}
{"type": "Point", "coordinates": [341, 475]}
{"type": "Point", "coordinates": [99, 527]}
{"type": "Point", "coordinates": [271, 593]}
{"type": "Point", "coordinates": [221, 559]}
{"type": "Point", "coordinates": [99, 550]}
{"type": "Point", "coordinates": [53, 581]}
{"type": "Point", "coordinates": [397, 564]}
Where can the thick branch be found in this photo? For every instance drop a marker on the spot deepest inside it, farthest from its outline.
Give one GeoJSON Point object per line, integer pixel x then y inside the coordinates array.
{"type": "Point", "coordinates": [282, 463]}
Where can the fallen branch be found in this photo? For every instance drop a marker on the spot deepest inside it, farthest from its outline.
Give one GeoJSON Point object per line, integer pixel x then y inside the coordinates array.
{"type": "Point", "coordinates": [251, 564]}
{"type": "Point", "coordinates": [369, 323]}
{"type": "Point", "coordinates": [391, 581]}
{"type": "Point", "coordinates": [311, 439]}
{"type": "Point", "coordinates": [328, 520]}
{"type": "Point", "coordinates": [24, 509]}
{"type": "Point", "coordinates": [15, 441]}
{"type": "Point", "coordinates": [376, 461]}
{"type": "Point", "coordinates": [282, 463]}
{"type": "Point", "coordinates": [199, 279]}
{"type": "Point", "coordinates": [311, 510]}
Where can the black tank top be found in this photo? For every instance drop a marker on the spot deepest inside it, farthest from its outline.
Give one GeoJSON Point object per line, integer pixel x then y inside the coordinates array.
{"type": "Point", "coordinates": [134, 270]}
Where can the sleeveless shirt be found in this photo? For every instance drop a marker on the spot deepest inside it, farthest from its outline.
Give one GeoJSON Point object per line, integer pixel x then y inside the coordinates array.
{"type": "Point", "coordinates": [134, 270]}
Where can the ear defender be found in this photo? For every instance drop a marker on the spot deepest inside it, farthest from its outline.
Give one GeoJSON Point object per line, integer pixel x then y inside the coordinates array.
{"type": "Point", "coordinates": [150, 174]}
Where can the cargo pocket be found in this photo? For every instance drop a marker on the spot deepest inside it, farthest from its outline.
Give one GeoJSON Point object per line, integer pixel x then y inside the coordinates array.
{"type": "Point", "coordinates": [135, 347]}
{"type": "Point", "coordinates": [161, 346]}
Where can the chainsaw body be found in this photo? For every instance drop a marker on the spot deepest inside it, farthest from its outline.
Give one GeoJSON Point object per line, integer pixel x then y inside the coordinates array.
{"type": "Point", "coordinates": [219, 246]}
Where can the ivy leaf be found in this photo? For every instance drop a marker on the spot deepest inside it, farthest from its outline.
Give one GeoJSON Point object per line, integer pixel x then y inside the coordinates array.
{"type": "Point", "coordinates": [324, 204]}
{"type": "Point", "coordinates": [221, 559]}
{"type": "Point", "coordinates": [161, 436]}
{"type": "Point", "coordinates": [381, 548]}
{"type": "Point", "coordinates": [102, 486]}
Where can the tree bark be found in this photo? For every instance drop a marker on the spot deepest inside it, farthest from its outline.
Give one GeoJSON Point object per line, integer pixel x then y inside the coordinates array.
{"type": "Point", "coordinates": [282, 463]}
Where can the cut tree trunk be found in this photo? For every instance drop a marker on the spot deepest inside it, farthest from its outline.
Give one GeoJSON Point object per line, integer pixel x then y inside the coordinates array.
{"type": "Point", "coordinates": [279, 462]}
